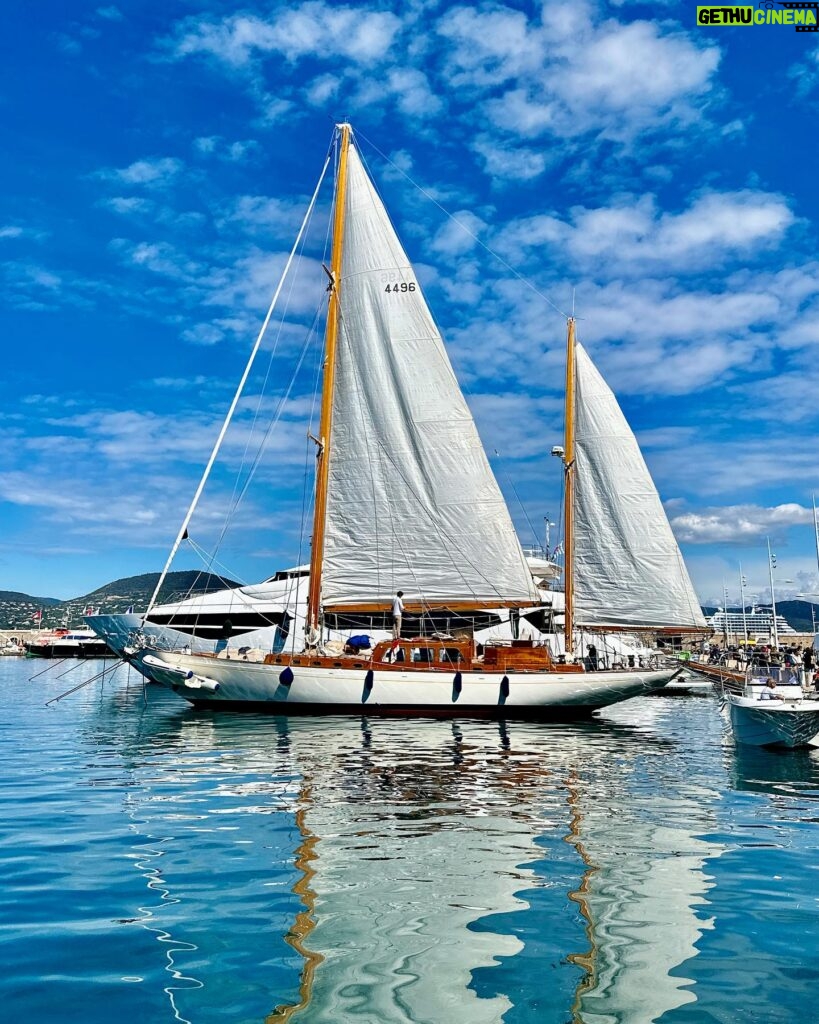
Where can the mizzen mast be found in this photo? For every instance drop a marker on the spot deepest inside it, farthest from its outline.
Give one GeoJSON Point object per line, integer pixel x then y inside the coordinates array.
{"type": "Point", "coordinates": [568, 513]}
{"type": "Point", "coordinates": [325, 423]}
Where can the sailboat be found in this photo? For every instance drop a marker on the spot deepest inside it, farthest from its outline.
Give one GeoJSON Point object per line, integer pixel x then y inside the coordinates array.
{"type": "Point", "coordinates": [406, 500]}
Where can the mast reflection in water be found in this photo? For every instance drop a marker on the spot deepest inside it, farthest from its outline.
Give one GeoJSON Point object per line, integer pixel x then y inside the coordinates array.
{"type": "Point", "coordinates": [427, 849]}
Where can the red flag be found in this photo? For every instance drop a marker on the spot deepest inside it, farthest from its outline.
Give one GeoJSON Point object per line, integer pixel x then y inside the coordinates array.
{"type": "Point", "coordinates": [37, 616]}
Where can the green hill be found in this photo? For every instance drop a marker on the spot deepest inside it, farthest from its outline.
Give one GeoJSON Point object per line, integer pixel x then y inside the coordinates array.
{"type": "Point", "coordinates": [18, 611]}
{"type": "Point", "coordinates": [40, 602]}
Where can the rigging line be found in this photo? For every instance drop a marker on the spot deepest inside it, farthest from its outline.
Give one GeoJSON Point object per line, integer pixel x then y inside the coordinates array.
{"type": "Point", "coordinates": [177, 597]}
{"type": "Point", "coordinates": [515, 492]}
{"type": "Point", "coordinates": [184, 527]}
{"type": "Point", "coordinates": [235, 500]}
{"type": "Point", "coordinates": [307, 448]}
{"type": "Point", "coordinates": [463, 227]}
{"type": "Point", "coordinates": [200, 594]}
{"type": "Point", "coordinates": [237, 595]}
{"type": "Point", "coordinates": [205, 556]}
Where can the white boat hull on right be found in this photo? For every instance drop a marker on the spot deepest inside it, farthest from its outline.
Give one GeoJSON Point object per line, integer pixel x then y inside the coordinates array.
{"type": "Point", "coordinates": [777, 725]}
{"type": "Point", "coordinates": [281, 689]}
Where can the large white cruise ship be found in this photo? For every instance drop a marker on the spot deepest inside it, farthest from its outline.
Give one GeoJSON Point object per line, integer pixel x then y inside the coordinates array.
{"type": "Point", "coordinates": [758, 622]}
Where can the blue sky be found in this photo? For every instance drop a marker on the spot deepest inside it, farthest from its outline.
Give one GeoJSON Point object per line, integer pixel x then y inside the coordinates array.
{"type": "Point", "coordinates": [159, 160]}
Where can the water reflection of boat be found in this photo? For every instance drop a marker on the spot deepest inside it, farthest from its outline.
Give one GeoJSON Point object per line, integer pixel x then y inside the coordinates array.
{"type": "Point", "coordinates": [687, 684]}
{"type": "Point", "coordinates": [422, 847]}
{"type": "Point", "coordinates": [643, 895]}
{"type": "Point", "coordinates": [779, 772]}
{"type": "Point", "coordinates": [439, 870]}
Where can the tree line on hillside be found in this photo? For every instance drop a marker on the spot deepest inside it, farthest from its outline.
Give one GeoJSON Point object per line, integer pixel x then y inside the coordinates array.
{"type": "Point", "coordinates": [23, 611]}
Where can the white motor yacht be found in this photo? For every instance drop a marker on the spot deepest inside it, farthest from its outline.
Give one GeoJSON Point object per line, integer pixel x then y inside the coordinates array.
{"type": "Point", "coordinates": [773, 710]}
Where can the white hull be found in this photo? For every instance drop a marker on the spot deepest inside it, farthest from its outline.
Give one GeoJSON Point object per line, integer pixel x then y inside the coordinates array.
{"type": "Point", "coordinates": [773, 725]}
{"type": "Point", "coordinates": [303, 689]}
{"type": "Point", "coordinates": [686, 683]}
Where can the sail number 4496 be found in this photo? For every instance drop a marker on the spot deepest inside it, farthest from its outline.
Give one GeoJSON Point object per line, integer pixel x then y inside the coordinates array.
{"type": "Point", "coordinates": [401, 286]}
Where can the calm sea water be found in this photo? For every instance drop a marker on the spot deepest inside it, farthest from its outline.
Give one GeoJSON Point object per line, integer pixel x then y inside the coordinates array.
{"type": "Point", "coordinates": [162, 864]}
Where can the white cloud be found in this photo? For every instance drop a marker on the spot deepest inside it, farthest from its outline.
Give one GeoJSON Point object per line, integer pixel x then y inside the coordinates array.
{"type": "Point", "coordinates": [17, 231]}
{"type": "Point", "coordinates": [159, 258]}
{"type": "Point", "coordinates": [458, 235]}
{"type": "Point", "coordinates": [128, 204]}
{"type": "Point", "coordinates": [152, 171]}
{"type": "Point", "coordinates": [738, 524]}
{"type": "Point", "coordinates": [635, 232]}
{"type": "Point", "coordinates": [508, 161]}
{"type": "Point", "coordinates": [308, 29]}
{"type": "Point", "coordinates": [635, 70]}
{"type": "Point", "coordinates": [232, 152]}
{"type": "Point", "coordinates": [575, 73]}
{"type": "Point", "coordinates": [274, 109]}
{"type": "Point", "coordinates": [30, 285]}
{"type": "Point", "coordinates": [489, 46]}
{"type": "Point", "coordinates": [181, 383]}
{"type": "Point", "coordinates": [572, 73]}
{"type": "Point", "coordinates": [413, 94]}
{"type": "Point", "coordinates": [323, 89]}
{"type": "Point", "coordinates": [270, 216]}
{"type": "Point", "coordinates": [806, 73]}
{"type": "Point", "coordinates": [206, 144]}
{"type": "Point", "coordinates": [203, 334]}
{"type": "Point", "coordinates": [249, 282]}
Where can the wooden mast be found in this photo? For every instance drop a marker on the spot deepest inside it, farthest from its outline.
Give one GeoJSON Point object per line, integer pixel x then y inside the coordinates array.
{"type": "Point", "coordinates": [568, 513]}
{"type": "Point", "coordinates": [331, 337]}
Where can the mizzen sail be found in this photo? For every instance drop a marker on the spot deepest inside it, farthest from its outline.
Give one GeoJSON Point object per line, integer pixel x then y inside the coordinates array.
{"type": "Point", "coordinates": [412, 501]}
{"type": "Point", "coordinates": [628, 570]}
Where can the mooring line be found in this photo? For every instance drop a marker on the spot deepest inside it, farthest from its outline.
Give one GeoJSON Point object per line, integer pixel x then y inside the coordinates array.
{"type": "Point", "coordinates": [79, 686]}
{"type": "Point", "coordinates": [48, 668]}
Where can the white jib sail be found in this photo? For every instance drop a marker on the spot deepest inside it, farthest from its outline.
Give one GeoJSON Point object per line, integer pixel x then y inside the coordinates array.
{"type": "Point", "coordinates": [412, 501]}
{"type": "Point", "coordinates": [628, 570]}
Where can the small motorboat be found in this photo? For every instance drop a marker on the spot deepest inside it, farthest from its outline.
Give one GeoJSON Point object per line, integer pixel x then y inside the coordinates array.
{"type": "Point", "coordinates": [773, 710]}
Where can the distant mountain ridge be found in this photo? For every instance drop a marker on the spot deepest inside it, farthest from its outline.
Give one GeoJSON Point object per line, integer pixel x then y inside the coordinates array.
{"type": "Point", "coordinates": [41, 602]}
{"type": "Point", "coordinates": [20, 611]}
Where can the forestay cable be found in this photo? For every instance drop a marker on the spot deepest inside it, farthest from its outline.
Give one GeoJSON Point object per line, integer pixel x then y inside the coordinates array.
{"type": "Point", "coordinates": [183, 529]}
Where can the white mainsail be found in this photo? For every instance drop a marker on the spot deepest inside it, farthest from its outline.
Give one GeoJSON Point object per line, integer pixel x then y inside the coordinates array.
{"type": "Point", "coordinates": [628, 570]}
{"type": "Point", "coordinates": [412, 501]}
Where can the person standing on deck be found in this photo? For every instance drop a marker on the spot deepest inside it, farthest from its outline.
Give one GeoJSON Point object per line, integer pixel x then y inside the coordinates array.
{"type": "Point", "coordinates": [397, 612]}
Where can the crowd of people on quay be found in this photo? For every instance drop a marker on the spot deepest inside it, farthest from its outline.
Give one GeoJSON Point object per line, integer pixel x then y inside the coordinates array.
{"type": "Point", "coordinates": [798, 661]}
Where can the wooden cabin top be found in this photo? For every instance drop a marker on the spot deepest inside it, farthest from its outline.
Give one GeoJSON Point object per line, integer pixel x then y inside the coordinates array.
{"type": "Point", "coordinates": [435, 655]}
